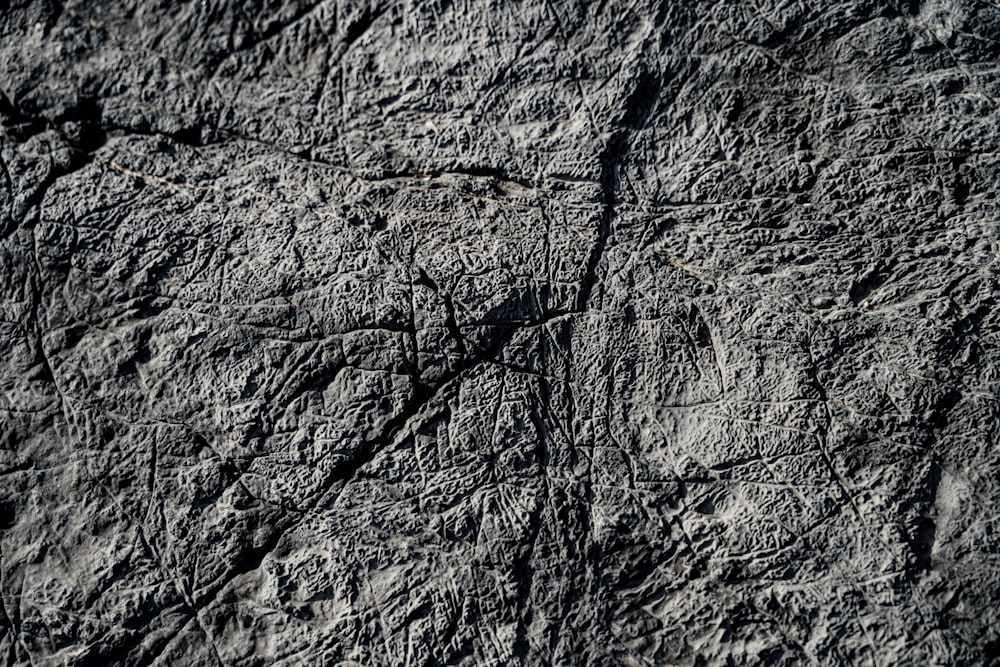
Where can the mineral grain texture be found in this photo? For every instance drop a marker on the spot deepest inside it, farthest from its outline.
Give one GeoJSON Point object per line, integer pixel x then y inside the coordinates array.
{"type": "Point", "coordinates": [493, 333]}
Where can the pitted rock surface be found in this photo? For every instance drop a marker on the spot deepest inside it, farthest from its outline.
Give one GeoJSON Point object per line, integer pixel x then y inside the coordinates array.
{"type": "Point", "coordinates": [485, 333]}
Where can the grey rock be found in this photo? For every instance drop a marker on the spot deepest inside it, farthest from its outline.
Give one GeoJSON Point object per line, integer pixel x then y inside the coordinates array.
{"type": "Point", "coordinates": [490, 333]}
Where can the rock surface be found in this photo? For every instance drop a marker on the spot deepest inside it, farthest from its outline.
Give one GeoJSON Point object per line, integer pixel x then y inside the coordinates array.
{"type": "Point", "coordinates": [484, 333]}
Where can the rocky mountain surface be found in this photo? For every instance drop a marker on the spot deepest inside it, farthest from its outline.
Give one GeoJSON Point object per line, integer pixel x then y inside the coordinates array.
{"type": "Point", "coordinates": [491, 333]}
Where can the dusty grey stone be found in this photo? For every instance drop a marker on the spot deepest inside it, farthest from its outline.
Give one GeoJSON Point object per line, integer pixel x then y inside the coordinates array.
{"type": "Point", "coordinates": [499, 333]}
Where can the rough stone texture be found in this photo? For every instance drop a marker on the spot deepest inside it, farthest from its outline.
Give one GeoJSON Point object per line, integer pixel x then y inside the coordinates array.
{"type": "Point", "coordinates": [488, 333]}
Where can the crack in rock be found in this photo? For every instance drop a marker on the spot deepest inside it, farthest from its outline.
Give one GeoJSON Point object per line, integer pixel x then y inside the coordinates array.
{"type": "Point", "coordinates": [476, 333]}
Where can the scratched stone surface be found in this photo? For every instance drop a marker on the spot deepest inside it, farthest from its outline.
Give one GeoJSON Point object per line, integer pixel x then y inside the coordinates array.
{"type": "Point", "coordinates": [486, 333]}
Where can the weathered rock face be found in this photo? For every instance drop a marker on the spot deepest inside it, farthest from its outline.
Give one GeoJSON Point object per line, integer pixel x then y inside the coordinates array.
{"type": "Point", "coordinates": [499, 333]}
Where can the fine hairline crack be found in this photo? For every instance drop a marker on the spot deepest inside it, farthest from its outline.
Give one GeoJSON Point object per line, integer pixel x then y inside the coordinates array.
{"type": "Point", "coordinates": [419, 406]}
{"type": "Point", "coordinates": [424, 397]}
